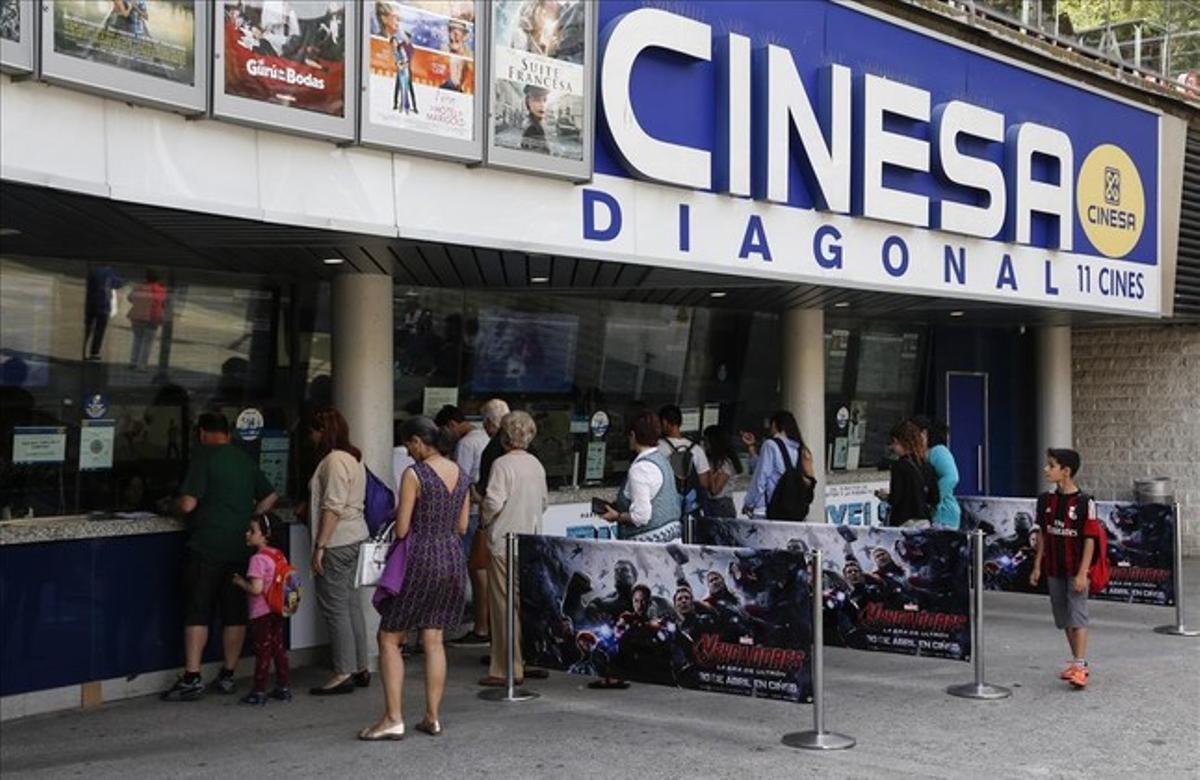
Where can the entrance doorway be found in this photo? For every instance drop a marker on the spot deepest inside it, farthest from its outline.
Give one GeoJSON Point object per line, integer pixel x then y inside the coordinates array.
{"type": "Point", "coordinates": [967, 416]}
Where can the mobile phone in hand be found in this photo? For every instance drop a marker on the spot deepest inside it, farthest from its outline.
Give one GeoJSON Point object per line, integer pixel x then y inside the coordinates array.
{"type": "Point", "coordinates": [599, 506]}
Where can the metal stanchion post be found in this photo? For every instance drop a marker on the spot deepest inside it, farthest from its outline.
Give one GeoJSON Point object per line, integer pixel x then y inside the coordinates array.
{"type": "Point", "coordinates": [510, 692]}
{"type": "Point", "coordinates": [978, 689]}
{"type": "Point", "coordinates": [689, 530]}
{"type": "Point", "coordinates": [818, 738]}
{"type": "Point", "coordinates": [1179, 629]}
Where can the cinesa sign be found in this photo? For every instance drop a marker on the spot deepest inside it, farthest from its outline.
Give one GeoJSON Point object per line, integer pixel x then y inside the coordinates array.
{"type": "Point", "coordinates": [865, 180]}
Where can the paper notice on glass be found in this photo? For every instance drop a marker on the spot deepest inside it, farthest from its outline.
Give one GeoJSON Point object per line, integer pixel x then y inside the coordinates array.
{"type": "Point", "coordinates": [852, 456]}
{"type": "Point", "coordinates": [436, 398]}
{"type": "Point", "coordinates": [273, 459]}
{"type": "Point", "coordinates": [712, 415]}
{"type": "Point", "coordinates": [691, 420]}
{"type": "Point", "coordinates": [595, 460]}
{"type": "Point", "coordinates": [39, 445]}
{"type": "Point", "coordinates": [96, 439]}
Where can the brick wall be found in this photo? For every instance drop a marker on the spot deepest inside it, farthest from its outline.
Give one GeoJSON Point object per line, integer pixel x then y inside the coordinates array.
{"type": "Point", "coordinates": [1137, 413]}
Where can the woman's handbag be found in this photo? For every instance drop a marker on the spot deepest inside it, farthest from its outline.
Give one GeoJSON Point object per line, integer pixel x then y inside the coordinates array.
{"type": "Point", "coordinates": [372, 558]}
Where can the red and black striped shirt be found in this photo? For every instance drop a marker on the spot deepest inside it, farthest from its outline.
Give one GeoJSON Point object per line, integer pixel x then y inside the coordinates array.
{"type": "Point", "coordinates": [1065, 520]}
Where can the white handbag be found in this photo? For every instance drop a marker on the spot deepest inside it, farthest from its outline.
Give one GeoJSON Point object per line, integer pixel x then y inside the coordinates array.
{"type": "Point", "coordinates": [372, 557]}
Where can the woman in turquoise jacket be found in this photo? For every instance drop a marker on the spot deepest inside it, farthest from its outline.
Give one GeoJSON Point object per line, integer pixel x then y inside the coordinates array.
{"type": "Point", "coordinates": [947, 513]}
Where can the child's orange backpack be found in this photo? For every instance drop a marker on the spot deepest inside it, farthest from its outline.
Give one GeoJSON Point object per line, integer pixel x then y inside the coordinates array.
{"type": "Point", "coordinates": [284, 590]}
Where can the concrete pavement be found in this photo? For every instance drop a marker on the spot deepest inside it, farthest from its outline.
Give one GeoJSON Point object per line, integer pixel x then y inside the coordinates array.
{"type": "Point", "coordinates": [1140, 717]}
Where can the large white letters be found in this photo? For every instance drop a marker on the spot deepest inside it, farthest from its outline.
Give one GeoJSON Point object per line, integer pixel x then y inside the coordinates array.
{"type": "Point", "coordinates": [881, 147]}
{"type": "Point", "coordinates": [643, 154]}
{"type": "Point", "coordinates": [1029, 195]}
{"type": "Point", "coordinates": [827, 148]}
{"type": "Point", "coordinates": [951, 120]}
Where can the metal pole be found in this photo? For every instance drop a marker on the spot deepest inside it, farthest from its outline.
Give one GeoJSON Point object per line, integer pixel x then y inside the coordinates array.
{"type": "Point", "coordinates": [978, 689]}
{"type": "Point", "coordinates": [510, 692]}
{"type": "Point", "coordinates": [1179, 629]}
{"type": "Point", "coordinates": [818, 738]}
{"type": "Point", "coordinates": [689, 530]}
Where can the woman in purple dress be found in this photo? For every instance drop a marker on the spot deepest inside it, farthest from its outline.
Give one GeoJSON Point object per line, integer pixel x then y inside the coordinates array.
{"type": "Point", "coordinates": [433, 511]}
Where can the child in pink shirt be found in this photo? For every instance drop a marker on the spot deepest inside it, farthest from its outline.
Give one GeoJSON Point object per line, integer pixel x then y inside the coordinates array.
{"type": "Point", "coordinates": [266, 626]}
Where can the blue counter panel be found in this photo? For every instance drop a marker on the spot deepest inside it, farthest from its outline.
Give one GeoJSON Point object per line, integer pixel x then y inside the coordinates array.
{"type": "Point", "coordinates": [93, 609]}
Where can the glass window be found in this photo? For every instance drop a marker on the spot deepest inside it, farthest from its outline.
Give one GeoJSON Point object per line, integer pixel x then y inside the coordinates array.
{"type": "Point", "coordinates": [565, 357]}
{"type": "Point", "coordinates": [872, 370]}
{"type": "Point", "coordinates": [104, 369]}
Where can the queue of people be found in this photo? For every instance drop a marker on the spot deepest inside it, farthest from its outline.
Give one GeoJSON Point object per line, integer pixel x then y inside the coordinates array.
{"type": "Point", "coordinates": [461, 490]}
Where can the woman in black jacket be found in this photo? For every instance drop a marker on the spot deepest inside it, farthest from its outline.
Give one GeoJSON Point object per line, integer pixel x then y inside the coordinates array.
{"type": "Point", "coordinates": [912, 490]}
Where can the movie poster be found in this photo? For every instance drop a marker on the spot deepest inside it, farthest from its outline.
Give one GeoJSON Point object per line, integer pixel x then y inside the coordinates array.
{"type": "Point", "coordinates": [895, 590]}
{"type": "Point", "coordinates": [1141, 547]}
{"type": "Point", "coordinates": [152, 37]}
{"type": "Point", "coordinates": [287, 52]}
{"type": "Point", "coordinates": [539, 76]}
{"type": "Point", "coordinates": [714, 619]}
{"type": "Point", "coordinates": [421, 72]}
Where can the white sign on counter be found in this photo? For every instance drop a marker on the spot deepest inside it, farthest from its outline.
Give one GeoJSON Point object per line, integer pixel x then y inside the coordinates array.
{"type": "Point", "coordinates": [595, 460]}
{"type": "Point", "coordinates": [96, 439]}
{"type": "Point", "coordinates": [39, 445]}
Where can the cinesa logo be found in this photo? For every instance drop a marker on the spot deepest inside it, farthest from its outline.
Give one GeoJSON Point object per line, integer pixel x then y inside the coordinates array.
{"type": "Point", "coordinates": [1110, 201]}
{"type": "Point", "coordinates": [285, 75]}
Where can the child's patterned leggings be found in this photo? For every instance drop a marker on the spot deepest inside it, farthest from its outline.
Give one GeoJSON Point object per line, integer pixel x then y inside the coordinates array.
{"type": "Point", "coordinates": [268, 645]}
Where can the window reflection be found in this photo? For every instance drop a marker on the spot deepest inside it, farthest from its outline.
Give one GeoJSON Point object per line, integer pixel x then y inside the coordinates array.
{"type": "Point", "coordinates": [122, 358]}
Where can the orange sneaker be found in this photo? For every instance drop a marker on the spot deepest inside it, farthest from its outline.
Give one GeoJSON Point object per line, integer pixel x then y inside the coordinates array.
{"type": "Point", "coordinates": [1065, 674]}
{"type": "Point", "coordinates": [1078, 677]}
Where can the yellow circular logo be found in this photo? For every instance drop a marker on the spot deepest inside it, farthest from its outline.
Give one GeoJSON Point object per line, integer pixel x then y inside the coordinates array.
{"type": "Point", "coordinates": [1111, 202]}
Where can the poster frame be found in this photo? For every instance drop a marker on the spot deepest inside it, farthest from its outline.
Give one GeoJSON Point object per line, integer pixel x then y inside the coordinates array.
{"type": "Point", "coordinates": [417, 141]}
{"type": "Point", "coordinates": [18, 57]}
{"type": "Point", "coordinates": [111, 81]}
{"type": "Point", "coordinates": [528, 162]}
{"type": "Point", "coordinates": [255, 113]}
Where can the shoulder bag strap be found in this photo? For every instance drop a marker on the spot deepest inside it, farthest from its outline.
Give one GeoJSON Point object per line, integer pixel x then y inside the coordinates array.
{"type": "Point", "coordinates": [787, 459]}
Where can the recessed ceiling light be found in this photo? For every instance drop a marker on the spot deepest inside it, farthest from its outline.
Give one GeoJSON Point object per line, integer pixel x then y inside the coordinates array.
{"type": "Point", "coordinates": [957, 313]}
{"type": "Point", "coordinates": [334, 260]}
{"type": "Point", "coordinates": [717, 294]}
{"type": "Point", "coordinates": [842, 305]}
{"type": "Point", "coordinates": [7, 231]}
{"type": "Point", "coordinates": [539, 279]}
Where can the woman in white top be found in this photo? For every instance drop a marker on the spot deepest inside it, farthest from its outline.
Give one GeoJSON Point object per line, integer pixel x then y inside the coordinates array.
{"type": "Point", "coordinates": [338, 493]}
{"type": "Point", "coordinates": [514, 503]}
{"type": "Point", "coordinates": [723, 464]}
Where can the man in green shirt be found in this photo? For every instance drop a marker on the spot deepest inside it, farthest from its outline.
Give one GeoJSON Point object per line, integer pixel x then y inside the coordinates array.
{"type": "Point", "coordinates": [222, 489]}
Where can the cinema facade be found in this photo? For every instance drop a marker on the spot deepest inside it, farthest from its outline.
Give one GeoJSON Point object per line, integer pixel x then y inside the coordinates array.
{"type": "Point", "coordinates": [852, 211]}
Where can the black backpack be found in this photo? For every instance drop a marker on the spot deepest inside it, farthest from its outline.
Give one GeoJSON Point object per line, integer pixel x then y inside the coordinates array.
{"type": "Point", "coordinates": [793, 493]}
{"type": "Point", "coordinates": [683, 466]}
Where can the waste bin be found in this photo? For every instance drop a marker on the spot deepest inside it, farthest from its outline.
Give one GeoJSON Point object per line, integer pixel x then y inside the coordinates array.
{"type": "Point", "coordinates": [1156, 490]}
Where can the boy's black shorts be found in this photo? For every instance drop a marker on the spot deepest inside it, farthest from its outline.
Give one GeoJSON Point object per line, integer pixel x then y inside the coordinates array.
{"type": "Point", "coordinates": [207, 589]}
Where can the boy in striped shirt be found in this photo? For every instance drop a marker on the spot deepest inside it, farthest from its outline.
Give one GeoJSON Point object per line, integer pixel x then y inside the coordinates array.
{"type": "Point", "coordinates": [1068, 539]}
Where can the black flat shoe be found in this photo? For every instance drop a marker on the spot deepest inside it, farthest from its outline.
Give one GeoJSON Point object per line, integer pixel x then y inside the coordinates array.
{"type": "Point", "coordinates": [345, 686]}
{"type": "Point", "coordinates": [361, 679]}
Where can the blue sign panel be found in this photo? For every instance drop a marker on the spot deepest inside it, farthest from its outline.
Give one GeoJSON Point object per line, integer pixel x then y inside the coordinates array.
{"type": "Point", "coordinates": [930, 117]}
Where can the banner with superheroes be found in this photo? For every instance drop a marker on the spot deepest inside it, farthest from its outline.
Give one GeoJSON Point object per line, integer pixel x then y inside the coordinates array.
{"type": "Point", "coordinates": [893, 590]}
{"type": "Point", "coordinates": [1141, 547]}
{"type": "Point", "coordinates": [725, 620]}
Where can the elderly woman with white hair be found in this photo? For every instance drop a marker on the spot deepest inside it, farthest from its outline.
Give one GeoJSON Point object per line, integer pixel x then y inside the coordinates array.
{"type": "Point", "coordinates": [515, 500]}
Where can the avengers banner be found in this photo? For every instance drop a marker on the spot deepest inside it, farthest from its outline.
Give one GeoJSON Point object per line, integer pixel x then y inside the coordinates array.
{"type": "Point", "coordinates": [724, 620]}
{"type": "Point", "coordinates": [1141, 547]}
{"type": "Point", "coordinates": [894, 590]}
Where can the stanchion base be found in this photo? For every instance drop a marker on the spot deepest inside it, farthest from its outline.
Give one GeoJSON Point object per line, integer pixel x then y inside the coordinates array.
{"type": "Point", "coordinates": [1177, 631]}
{"type": "Point", "coordinates": [818, 740]}
{"type": "Point", "coordinates": [501, 694]}
{"type": "Point", "coordinates": [979, 691]}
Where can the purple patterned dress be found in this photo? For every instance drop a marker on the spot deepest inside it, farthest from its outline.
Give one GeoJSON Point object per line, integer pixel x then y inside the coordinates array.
{"type": "Point", "coordinates": [435, 579]}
